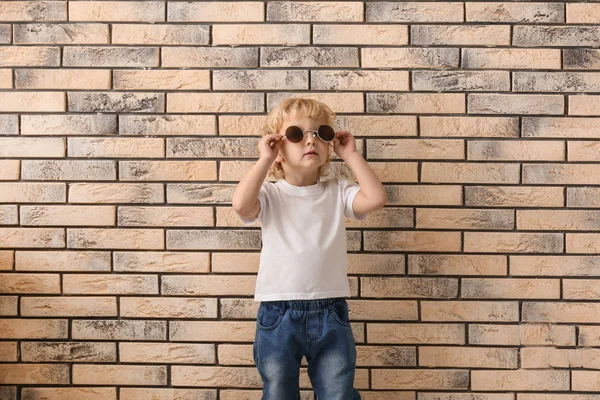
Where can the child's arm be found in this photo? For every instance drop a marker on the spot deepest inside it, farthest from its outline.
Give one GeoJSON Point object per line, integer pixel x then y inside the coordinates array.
{"type": "Point", "coordinates": [245, 197]}
{"type": "Point", "coordinates": [372, 195]}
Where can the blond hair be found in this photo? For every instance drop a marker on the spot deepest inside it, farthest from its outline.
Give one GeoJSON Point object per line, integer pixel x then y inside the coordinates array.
{"type": "Point", "coordinates": [308, 108]}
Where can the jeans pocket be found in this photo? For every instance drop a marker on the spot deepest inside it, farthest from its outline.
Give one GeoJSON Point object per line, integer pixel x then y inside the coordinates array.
{"type": "Point", "coordinates": [339, 310]}
{"type": "Point", "coordinates": [268, 317]}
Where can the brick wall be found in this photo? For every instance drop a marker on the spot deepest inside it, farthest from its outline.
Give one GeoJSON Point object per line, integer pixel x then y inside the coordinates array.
{"type": "Point", "coordinates": [125, 126]}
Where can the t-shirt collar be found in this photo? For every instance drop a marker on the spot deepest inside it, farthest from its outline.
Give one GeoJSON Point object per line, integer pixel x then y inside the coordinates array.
{"type": "Point", "coordinates": [293, 190]}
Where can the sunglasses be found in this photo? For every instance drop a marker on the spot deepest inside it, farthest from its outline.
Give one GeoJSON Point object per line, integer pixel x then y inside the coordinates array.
{"type": "Point", "coordinates": [295, 134]}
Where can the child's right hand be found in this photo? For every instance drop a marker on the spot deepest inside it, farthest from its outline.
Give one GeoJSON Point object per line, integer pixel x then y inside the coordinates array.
{"type": "Point", "coordinates": [269, 145]}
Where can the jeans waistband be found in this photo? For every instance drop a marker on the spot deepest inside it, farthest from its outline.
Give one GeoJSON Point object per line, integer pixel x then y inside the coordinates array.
{"type": "Point", "coordinates": [305, 304]}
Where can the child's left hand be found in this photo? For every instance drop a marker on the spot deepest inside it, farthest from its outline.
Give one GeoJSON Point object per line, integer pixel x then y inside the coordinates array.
{"type": "Point", "coordinates": [344, 144]}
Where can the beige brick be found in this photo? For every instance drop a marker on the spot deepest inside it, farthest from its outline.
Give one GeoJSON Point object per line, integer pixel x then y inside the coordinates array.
{"type": "Point", "coordinates": [126, 375]}
{"type": "Point", "coordinates": [215, 376]}
{"type": "Point", "coordinates": [32, 147]}
{"type": "Point", "coordinates": [556, 81]}
{"type": "Point", "coordinates": [7, 260]}
{"type": "Point", "coordinates": [317, 57]}
{"type": "Point", "coordinates": [72, 306]}
{"type": "Point", "coordinates": [33, 11]}
{"type": "Point", "coordinates": [448, 149]}
{"type": "Point", "coordinates": [557, 312]}
{"type": "Point", "coordinates": [414, 12]}
{"type": "Point", "coordinates": [119, 330]}
{"type": "Point", "coordinates": [6, 78]}
{"type": "Point", "coordinates": [444, 218]}
{"type": "Point", "coordinates": [419, 379]}
{"type": "Point", "coordinates": [510, 288]}
{"type": "Point", "coordinates": [68, 170]}
{"type": "Point", "coordinates": [516, 150]}
{"type": "Point", "coordinates": [526, 334]}
{"type": "Point", "coordinates": [480, 103]}
{"type": "Point", "coordinates": [5, 33]}
{"type": "Point", "coordinates": [61, 33]}
{"type": "Point", "coordinates": [29, 283]}
{"type": "Point", "coordinates": [470, 310]}
{"type": "Point", "coordinates": [33, 101]}
{"type": "Point", "coordinates": [559, 358]}
{"type": "Point", "coordinates": [360, 34]}
{"type": "Point", "coordinates": [90, 56]}
{"type": "Point", "coordinates": [172, 353]}
{"type": "Point", "coordinates": [236, 394]}
{"type": "Point", "coordinates": [109, 284]}
{"type": "Point", "coordinates": [247, 125]}
{"type": "Point", "coordinates": [380, 125]}
{"type": "Point", "coordinates": [260, 80]}
{"type": "Point", "coordinates": [469, 126]}
{"type": "Point", "coordinates": [238, 308]}
{"type": "Point", "coordinates": [584, 105]}
{"type": "Point", "coordinates": [151, 261]}
{"type": "Point", "coordinates": [207, 331]}
{"type": "Point", "coordinates": [456, 264]}
{"type": "Point", "coordinates": [116, 147]}
{"type": "Point", "coordinates": [9, 124]}
{"type": "Point", "coordinates": [212, 239]}
{"type": "Point", "coordinates": [9, 169]}
{"type": "Point", "coordinates": [168, 170]}
{"type": "Point", "coordinates": [34, 328]}
{"type": "Point", "coordinates": [31, 237]}
{"type": "Point", "coordinates": [386, 356]}
{"type": "Point", "coordinates": [66, 125]}
{"type": "Point", "coordinates": [412, 241]}
{"type": "Point", "coordinates": [191, 125]}
{"type": "Point", "coordinates": [580, 58]}
{"type": "Point", "coordinates": [68, 215]}
{"type": "Point", "coordinates": [260, 34]}
{"type": "Point", "coordinates": [582, 243]}
{"type": "Point", "coordinates": [116, 238]}
{"type": "Point", "coordinates": [8, 215]}
{"type": "Point", "coordinates": [583, 151]}
{"type": "Point", "coordinates": [469, 35]}
{"type": "Point", "coordinates": [582, 197]}
{"type": "Point", "coordinates": [409, 57]}
{"type": "Point", "coordinates": [28, 56]}
{"type": "Point", "coordinates": [521, 380]}
{"type": "Point", "coordinates": [8, 392]}
{"type": "Point", "coordinates": [514, 196]}
{"type": "Point", "coordinates": [510, 58]}
{"type": "Point", "coordinates": [218, 11]}
{"type": "Point", "coordinates": [409, 287]}
{"type": "Point", "coordinates": [384, 218]}
{"type": "Point", "coordinates": [68, 352]}
{"type": "Point", "coordinates": [116, 102]}
{"type": "Point", "coordinates": [165, 216]}
{"type": "Point", "coordinates": [461, 81]}
{"type": "Point", "coordinates": [424, 195]}
{"type": "Point", "coordinates": [535, 36]}
{"type": "Point", "coordinates": [199, 57]}
{"type": "Point", "coordinates": [8, 352]}
{"type": "Point", "coordinates": [35, 374]}
{"type": "Point", "coordinates": [207, 285]}
{"type": "Point", "coordinates": [167, 394]}
{"type": "Point", "coordinates": [555, 265]}
{"type": "Point", "coordinates": [560, 173]}
{"type": "Point", "coordinates": [57, 393]}
{"type": "Point", "coordinates": [238, 354]}
{"type": "Point", "coordinates": [513, 242]}
{"type": "Point", "coordinates": [303, 11]}
{"type": "Point", "coordinates": [557, 220]}
{"type": "Point", "coordinates": [9, 306]}
{"type": "Point", "coordinates": [117, 11]}
{"type": "Point", "coordinates": [582, 13]}
{"type": "Point", "coordinates": [416, 333]}
{"type": "Point", "coordinates": [164, 307]}
{"type": "Point", "coordinates": [470, 172]}
{"type": "Point", "coordinates": [235, 262]}
{"type": "Point", "coordinates": [439, 103]}
{"type": "Point", "coordinates": [215, 102]}
{"type": "Point", "coordinates": [62, 79]}
{"type": "Point", "coordinates": [163, 34]}
{"type": "Point", "coordinates": [463, 357]}
{"type": "Point", "coordinates": [516, 12]}
{"type": "Point", "coordinates": [162, 80]}
{"type": "Point", "coordinates": [588, 336]}
{"type": "Point", "coordinates": [341, 102]}
{"type": "Point", "coordinates": [116, 192]}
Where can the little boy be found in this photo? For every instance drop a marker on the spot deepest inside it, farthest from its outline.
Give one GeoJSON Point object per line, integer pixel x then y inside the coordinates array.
{"type": "Point", "coordinates": [302, 278]}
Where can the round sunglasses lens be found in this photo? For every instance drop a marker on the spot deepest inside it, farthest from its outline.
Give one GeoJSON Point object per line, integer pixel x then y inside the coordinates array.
{"type": "Point", "coordinates": [326, 133]}
{"type": "Point", "coordinates": [294, 134]}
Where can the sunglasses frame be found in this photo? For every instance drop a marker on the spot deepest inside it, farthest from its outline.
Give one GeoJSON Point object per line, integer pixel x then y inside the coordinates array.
{"type": "Point", "coordinates": [315, 132]}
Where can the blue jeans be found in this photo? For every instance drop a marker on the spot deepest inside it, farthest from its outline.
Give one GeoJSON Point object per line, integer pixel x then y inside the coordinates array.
{"type": "Point", "coordinates": [317, 329]}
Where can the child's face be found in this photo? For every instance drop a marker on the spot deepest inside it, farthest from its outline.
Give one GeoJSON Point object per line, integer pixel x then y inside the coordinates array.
{"type": "Point", "coordinates": [294, 154]}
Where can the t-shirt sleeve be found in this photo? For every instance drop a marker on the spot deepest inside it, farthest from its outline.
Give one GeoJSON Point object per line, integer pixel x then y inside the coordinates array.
{"type": "Point", "coordinates": [264, 206]}
{"type": "Point", "coordinates": [349, 189]}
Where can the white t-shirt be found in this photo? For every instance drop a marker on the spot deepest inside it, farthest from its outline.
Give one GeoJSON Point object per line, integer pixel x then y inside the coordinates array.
{"type": "Point", "coordinates": [304, 239]}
